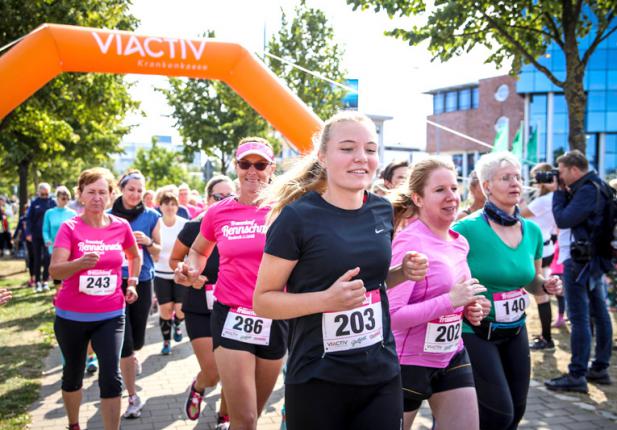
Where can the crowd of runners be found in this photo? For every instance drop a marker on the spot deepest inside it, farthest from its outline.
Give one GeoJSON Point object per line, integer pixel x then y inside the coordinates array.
{"type": "Point", "coordinates": [374, 304]}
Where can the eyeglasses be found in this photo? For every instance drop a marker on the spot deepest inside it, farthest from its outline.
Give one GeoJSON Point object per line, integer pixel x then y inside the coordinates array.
{"type": "Point", "coordinates": [219, 196]}
{"type": "Point", "coordinates": [260, 165]}
{"type": "Point", "coordinates": [509, 178]}
{"type": "Point", "coordinates": [63, 197]}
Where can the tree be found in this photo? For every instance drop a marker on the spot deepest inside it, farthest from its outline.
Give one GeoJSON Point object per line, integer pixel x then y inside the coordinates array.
{"type": "Point", "coordinates": [520, 30]}
{"type": "Point", "coordinates": [161, 166]}
{"type": "Point", "coordinates": [76, 119]}
{"type": "Point", "coordinates": [308, 41]}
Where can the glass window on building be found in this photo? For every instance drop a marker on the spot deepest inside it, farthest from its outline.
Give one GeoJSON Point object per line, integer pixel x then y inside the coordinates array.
{"type": "Point", "coordinates": [475, 98]}
{"type": "Point", "coordinates": [592, 150]}
{"type": "Point", "coordinates": [537, 120]}
{"type": "Point", "coordinates": [457, 159]}
{"type": "Point", "coordinates": [596, 80]}
{"type": "Point", "coordinates": [471, 162]}
{"type": "Point", "coordinates": [598, 60]}
{"type": "Point", "coordinates": [560, 144]}
{"type": "Point", "coordinates": [610, 156]}
{"type": "Point", "coordinates": [559, 104]}
{"type": "Point", "coordinates": [451, 101]}
{"type": "Point", "coordinates": [464, 99]}
{"type": "Point", "coordinates": [596, 101]}
{"type": "Point", "coordinates": [438, 103]}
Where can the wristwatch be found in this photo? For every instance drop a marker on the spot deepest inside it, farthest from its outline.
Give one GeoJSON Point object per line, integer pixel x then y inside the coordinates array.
{"type": "Point", "coordinates": [132, 281]}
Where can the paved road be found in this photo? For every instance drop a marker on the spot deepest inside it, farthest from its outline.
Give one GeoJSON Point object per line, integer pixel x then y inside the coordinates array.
{"type": "Point", "coordinates": [165, 380]}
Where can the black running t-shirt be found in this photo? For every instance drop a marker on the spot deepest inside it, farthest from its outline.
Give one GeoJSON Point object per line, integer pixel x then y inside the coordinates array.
{"type": "Point", "coordinates": [327, 241]}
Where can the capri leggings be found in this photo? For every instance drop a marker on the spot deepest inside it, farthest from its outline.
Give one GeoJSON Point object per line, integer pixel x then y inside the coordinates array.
{"type": "Point", "coordinates": [106, 337]}
{"type": "Point", "coordinates": [501, 370]}
{"type": "Point", "coordinates": [325, 405]}
{"type": "Point", "coordinates": [137, 318]}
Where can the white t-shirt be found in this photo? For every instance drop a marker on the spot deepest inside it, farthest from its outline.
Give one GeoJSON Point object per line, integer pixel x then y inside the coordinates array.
{"type": "Point", "coordinates": [168, 238]}
{"type": "Point", "coordinates": [542, 210]}
{"type": "Point", "coordinates": [564, 239]}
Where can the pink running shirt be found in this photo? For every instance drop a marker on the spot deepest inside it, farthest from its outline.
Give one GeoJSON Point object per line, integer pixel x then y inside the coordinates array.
{"type": "Point", "coordinates": [414, 304]}
{"type": "Point", "coordinates": [240, 234]}
{"type": "Point", "coordinates": [109, 242]}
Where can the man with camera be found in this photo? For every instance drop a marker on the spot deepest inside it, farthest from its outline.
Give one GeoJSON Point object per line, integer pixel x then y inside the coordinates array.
{"type": "Point", "coordinates": [580, 204]}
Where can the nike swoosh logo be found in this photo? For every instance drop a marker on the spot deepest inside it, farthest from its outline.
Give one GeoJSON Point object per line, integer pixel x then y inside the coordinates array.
{"type": "Point", "coordinates": [379, 231]}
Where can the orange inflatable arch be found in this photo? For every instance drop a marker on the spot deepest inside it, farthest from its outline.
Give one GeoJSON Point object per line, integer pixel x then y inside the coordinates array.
{"type": "Point", "coordinates": [52, 49]}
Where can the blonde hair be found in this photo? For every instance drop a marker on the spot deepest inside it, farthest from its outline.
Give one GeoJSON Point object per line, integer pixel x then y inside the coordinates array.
{"type": "Point", "coordinates": [62, 190]}
{"type": "Point", "coordinates": [307, 174]}
{"type": "Point", "coordinates": [402, 202]}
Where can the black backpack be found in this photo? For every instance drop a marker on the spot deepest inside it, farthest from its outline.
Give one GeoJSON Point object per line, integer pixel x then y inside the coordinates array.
{"type": "Point", "coordinates": [604, 236]}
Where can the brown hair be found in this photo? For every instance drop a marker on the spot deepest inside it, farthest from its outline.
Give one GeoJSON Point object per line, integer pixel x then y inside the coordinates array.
{"type": "Point", "coordinates": [402, 203]}
{"type": "Point", "coordinates": [90, 176]}
{"type": "Point", "coordinates": [307, 174]}
{"type": "Point", "coordinates": [166, 197]}
{"type": "Point", "coordinates": [130, 174]}
{"type": "Point", "coordinates": [574, 158]}
{"type": "Point", "coordinates": [388, 172]}
{"type": "Point", "coordinates": [214, 181]}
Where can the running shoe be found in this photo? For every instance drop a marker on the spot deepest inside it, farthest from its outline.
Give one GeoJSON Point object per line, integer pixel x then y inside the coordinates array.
{"type": "Point", "coordinates": [540, 344]}
{"type": "Point", "coordinates": [134, 408]}
{"type": "Point", "coordinates": [222, 422]}
{"type": "Point", "coordinates": [166, 348]}
{"type": "Point", "coordinates": [599, 376]}
{"type": "Point", "coordinates": [73, 427]}
{"type": "Point", "coordinates": [559, 322]}
{"type": "Point", "coordinates": [177, 333]}
{"type": "Point", "coordinates": [92, 364]}
{"type": "Point", "coordinates": [39, 288]}
{"type": "Point", "coordinates": [192, 407]}
{"type": "Point", "coordinates": [567, 382]}
{"type": "Point", "coordinates": [45, 286]}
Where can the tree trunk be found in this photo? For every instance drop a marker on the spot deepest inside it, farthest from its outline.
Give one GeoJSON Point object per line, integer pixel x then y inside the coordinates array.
{"type": "Point", "coordinates": [577, 102]}
{"type": "Point", "coordinates": [23, 184]}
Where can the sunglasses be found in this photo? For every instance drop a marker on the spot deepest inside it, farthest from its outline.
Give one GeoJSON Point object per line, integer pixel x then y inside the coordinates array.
{"type": "Point", "coordinates": [260, 165]}
{"type": "Point", "coordinates": [219, 196]}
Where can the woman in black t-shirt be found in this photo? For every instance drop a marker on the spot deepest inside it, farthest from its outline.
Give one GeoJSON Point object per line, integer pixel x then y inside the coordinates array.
{"type": "Point", "coordinates": [197, 305]}
{"type": "Point", "coordinates": [330, 245]}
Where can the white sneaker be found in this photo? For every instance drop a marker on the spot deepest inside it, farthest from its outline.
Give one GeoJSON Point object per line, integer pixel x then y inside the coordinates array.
{"type": "Point", "coordinates": [38, 288]}
{"type": "Point", "coordinates": [222, 426]}
{"type": "Point", "coordinates": [134, 408]}
{"type": "Point", "coordinates": [45, 286]}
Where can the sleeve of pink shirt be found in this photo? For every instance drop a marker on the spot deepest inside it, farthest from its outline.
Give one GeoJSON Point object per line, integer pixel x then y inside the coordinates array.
{"type": "Point", "coordinates": [63, 238]}
{"type": "Point", "coordinates": [403, 314]}
{"type": "Point", "coordinates": [206, 228]}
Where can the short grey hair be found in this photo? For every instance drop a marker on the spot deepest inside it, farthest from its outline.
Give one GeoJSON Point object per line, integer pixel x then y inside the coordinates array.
{"type": "Point", "coordinates": [45, 186]}
{"type": "Point", "coordinates": [489, 163]}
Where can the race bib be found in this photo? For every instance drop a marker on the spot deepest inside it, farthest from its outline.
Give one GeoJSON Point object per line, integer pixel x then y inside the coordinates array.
{"type": "Point", "coordinates": [443, 334]}
{"type": "Point", "coordinates": [355, 328]}
{"type": "Point", "coordinates": [125, 261]}
{"type": "Point", "coordinates": [243, 325]}
{"type": "Point", "coordinates": [510, 306]}
{"type": "Point", "coordinates": [98, 283]}
{"type": "Point", "coordinates": [209, 289]}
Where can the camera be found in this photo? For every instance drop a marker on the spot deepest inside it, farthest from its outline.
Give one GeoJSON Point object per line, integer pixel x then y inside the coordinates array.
{"type": "Point", "coordinates": [581, 251]}
{"type": "Point", "coordinates": [547, 177]}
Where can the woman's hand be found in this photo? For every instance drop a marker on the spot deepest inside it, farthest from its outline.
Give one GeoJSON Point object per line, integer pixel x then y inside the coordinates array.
{"type": "Point", "coordinates": [131, 295]}
{"type": "Point", "coordinates": [553, 285]}
{"type": "Point", "coordinates": [5, 295]}
{"type": "Point", "coordinates": [414, 266]}
{"type": "Point", "coordinates": [477, 310]}
{"type": "Point", "coordinates": [142, 239]}
{"type": "Point", "coordinates": [88, 260]}
{"type": "Point", "coordinates": [186, 275]}
{"type": "Point", "coordinates": [201, 281]}
{"type": "Point", "coordinates": [465, 292]}
{"type": "Point", "coordinates": [345, 294]}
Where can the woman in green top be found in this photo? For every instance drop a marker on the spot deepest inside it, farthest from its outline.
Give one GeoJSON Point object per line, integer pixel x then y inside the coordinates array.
{"type": "Point", "coordinates": [505, 255]}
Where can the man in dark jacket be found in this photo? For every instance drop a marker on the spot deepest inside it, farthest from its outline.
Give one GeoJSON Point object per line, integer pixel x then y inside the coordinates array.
{"type": "Point", "coordinates": [38, 207]}
{"type": "Point", "coordinates": [580, 205]}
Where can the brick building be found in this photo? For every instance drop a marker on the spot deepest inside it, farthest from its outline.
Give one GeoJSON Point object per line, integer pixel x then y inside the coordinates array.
{"type": "Point", "coordinates": [477, 110]}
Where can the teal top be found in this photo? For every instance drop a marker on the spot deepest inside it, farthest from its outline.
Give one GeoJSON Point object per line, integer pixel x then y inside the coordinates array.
{"type": "Point", "coordinates": [496, 265]}
{"type": "Point", "coordinates": [52, 220]}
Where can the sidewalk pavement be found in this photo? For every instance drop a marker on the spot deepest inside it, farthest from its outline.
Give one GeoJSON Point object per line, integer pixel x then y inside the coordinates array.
{"type": "Point", "coordinates": [164, 384]}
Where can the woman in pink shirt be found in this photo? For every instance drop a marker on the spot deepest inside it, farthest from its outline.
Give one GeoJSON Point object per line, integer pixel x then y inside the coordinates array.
{"type": "Point", "coordinates": [427, 315]}
{"type": "Point", "coordinates": [90, 306]}
{"type": "Point", "coordinates": [248, 350]}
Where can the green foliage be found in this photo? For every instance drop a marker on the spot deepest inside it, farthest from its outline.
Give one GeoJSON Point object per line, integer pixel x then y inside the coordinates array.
{"type": "Point", "coordinates": [76, 119]}
{"type": "Point", "coordinates": [520, 31]}
{"type": "Point", "coordinates": [211, 117]}
{"type": "Point", "coordinates": [162, 166]}
{"type": "Point", "coordinates": [308, 41]}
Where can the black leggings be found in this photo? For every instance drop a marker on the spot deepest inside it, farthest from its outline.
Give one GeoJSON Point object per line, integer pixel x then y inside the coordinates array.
{"type": "Point", "coordinates": [30, 258]}
{"type": "Point", "coordinates": [326, 405]}
{"type": "Point", "coordinates": [137, 318]}
{"type": "Point", "coordinates": [106, 337]}
{"type": "Point", "coordinates": [41, 258]}
{"type": "Point", "coordinates": [501, 371]}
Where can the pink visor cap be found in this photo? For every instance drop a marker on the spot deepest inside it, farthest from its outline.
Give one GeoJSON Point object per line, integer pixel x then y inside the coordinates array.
{"type": "Point", "coordinates": [256, 148]}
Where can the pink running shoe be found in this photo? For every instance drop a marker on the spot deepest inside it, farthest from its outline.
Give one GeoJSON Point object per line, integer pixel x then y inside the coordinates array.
{"type": "Point", "coordinates": [192, 407]}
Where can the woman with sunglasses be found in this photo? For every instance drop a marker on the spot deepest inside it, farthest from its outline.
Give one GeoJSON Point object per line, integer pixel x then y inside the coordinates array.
{"type": "Point", "coordinates": [168, 294]}
{"type": "Point", "coordinates": [197, 305]}
{"type": "Point", "coordinates": [146, 226]}
{"type": "Point", "coordinates": [54, 217]}
{"type": "Point", "coordinates": [248, 350]}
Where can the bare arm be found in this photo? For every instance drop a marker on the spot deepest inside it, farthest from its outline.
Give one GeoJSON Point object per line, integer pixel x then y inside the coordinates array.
{"type": "Point", "coordinates": [132, 255]}
{"type": "Point", "coordinates": [188, 274]}
{"type": "Point", "coordinates": [61, 268]}
{"type": "Point", "coordinates": [155, 248]}
{"type": "Point", "coordinates": [540, 286]}
{"type": "Point", "coordinates": [178, 253]}
{"type": "Point", "coordinates": [413, 268]}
